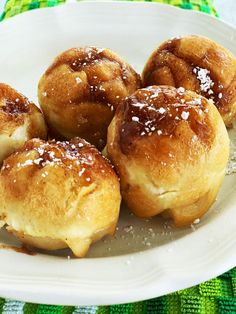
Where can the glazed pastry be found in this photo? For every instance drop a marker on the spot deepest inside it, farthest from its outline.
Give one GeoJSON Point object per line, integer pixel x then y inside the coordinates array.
{"type": "Point", "coordinates": [170, 148]}
{"type": "Point", "coordinates": [20, 120]}
{"type": "Point", "coordinates": [80, 91]}
{"type": "Point", "coordinates": [59, 194]}
{"type": "Point", "coordinates": [198, 64]}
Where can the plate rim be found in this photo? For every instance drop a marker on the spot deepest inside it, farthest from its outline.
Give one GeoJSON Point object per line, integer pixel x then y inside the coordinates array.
{"type": "Point", "coordinates": [128, 2]}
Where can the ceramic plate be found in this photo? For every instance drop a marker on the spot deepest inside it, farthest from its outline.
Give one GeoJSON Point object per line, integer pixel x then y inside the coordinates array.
{"type": "Point", "coordinates": [146, 258]}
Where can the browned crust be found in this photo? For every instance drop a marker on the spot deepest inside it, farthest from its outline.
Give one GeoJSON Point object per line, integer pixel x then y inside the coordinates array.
{"type": "Point", "coordinates": [59, 194]}
{"type": "Point", "coordinates": [159, 111]}
{"type": "Point", "coordinates": [76, 157]}
{"type": "Point", "coordinates": [15, 110]}
{"type": "Point", "coordinates": [81, 90]}
{"type": "Point", "coordinates": [178, 170]}
{"type": "Point", "coordinates": [198, 64]}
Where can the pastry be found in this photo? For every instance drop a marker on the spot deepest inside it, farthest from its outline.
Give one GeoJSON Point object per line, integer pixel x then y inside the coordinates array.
{"type": "Point", "coordinates": [81, 90]}
{"type": "Point", "coordinates": [170, 148]}
{"type": "Point", "coordinates": [198, 64]}
{"type": "Point", "coordinates": [20, 120]}
{"type": "Point", "coordinates": [59, 194]}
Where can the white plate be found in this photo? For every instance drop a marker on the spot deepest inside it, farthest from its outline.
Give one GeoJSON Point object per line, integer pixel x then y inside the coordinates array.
{"type": "Point", "coordinates": [152, 259]}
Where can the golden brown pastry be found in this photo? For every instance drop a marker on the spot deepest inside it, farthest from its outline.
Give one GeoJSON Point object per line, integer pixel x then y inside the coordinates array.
{"type": "Point", "coordinates": [80, 91]}
{"type": "Point", "coordinates": [59, 194]}
{"type": "Point", "coordinates": [198, 64]}
{"type": "Point", "coordinates": [20, 120]}
{"type": "Point", "coordinates": [170, 148]}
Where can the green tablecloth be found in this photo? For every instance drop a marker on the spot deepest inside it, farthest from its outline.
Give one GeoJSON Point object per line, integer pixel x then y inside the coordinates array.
{"type": "Point", "coordinates": [215, 296]}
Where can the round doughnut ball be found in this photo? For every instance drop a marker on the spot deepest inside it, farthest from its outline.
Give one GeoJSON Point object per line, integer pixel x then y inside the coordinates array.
{"type": "Point", "coordinates": [198, 64]}
{"type": "Point", "coordinates": [81, 90]}
{"type": "Point", "coordinates": [59, 194]}
{"type": "Point", "coordinates": [170, 148]}
{"type": "Point", "coordinates": [20, 120]}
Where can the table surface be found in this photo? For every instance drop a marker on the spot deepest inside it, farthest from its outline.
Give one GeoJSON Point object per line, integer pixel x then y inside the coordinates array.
{"type": "Point", "coordinates": [226, 8]}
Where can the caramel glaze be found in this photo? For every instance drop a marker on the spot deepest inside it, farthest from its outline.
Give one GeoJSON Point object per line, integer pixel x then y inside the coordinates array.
{"type": "Point", "coordinates": [158, 110]}
{"type": "Point", "coordinates": [21, 249]}
{"type": "Point", "coordinates": [15, 109]}
{"type": "Point", "coordinates": [40, 159]}
{"type": "Point", "coordinates": [168, 56]}
{"type": "Point", "coordinates": [12, 102]}
{"type": "Point", "coordinates": [81, 59]}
